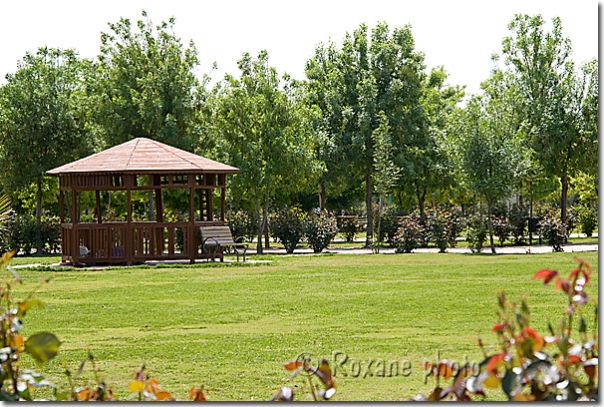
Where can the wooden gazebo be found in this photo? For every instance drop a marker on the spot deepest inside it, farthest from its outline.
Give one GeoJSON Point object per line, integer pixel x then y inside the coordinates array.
{"type": "Point", "coordinates": [140, 167]}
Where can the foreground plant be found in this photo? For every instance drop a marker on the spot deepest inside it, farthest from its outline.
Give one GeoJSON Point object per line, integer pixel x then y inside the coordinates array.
{"type": "Point", "coordinates": [17, 384]}
{"type": "Point", "coordinates": [529, 366]}
{"type": "Point", "coordinates": [324, 390]}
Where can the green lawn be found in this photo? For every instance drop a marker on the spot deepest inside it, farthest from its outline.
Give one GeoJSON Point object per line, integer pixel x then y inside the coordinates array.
{"type": "Point", "coordinates": [231, 327]}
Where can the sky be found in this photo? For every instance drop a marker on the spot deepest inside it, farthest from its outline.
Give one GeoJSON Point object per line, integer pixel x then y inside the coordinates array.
{"type": "Point", "coordinates": [459, 35]}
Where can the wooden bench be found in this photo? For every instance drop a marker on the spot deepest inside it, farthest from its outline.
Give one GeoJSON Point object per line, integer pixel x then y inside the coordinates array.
{"type": "Point", "coordinates": [215, 238]}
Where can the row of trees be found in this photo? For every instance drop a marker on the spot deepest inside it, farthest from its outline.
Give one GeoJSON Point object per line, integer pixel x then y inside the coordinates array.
{"type": "Point", "coordinates": [369, 121]}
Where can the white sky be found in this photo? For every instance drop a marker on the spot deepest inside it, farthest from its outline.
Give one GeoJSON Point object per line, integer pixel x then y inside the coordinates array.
{"type": "Point", "coordinates": [461, 35]}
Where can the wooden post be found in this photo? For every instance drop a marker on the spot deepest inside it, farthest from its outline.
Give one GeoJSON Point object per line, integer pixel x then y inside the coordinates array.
{"type": "Point", "coordinates": [98, 206]}
{"type": "Point", "coordinates": [222, 182]}
{"type": "Point", "coordinates": [158, 248]}
{"type": "Point", "coordinates": [61, 204]}
{"type": "Point", "coordinates": [192, 231]}
{"type": "Point", "coordinates": [128, 235]}
{"type": "Point", "coordinates": [75, 244]}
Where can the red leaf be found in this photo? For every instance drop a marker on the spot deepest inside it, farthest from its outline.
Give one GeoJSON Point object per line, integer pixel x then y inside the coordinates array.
{"type": "Point", "coordinates": [531, 332]}
{"type": "Point", "coordinates": [499, 327]}
{"type": "Point", "coordinates": [562, 285]}
{"type": "Point", "coordinates": [493, 361]}
{"type": "Point", "coordinates": [546, 274]}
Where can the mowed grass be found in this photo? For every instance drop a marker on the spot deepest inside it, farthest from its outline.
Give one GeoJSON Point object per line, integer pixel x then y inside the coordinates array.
{"type": "Point", "coordinates": [231, 328]}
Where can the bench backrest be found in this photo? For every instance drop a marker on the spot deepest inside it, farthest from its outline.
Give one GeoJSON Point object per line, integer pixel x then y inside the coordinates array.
{"type": "Point", "coordinates": [222, 234]}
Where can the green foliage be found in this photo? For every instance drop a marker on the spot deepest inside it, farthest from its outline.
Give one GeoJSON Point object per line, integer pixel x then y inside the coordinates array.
{"type": "Point", "coordinates": [319, 229]}
{"type": "Point", "coordinates": [501, 228]}
{"type": "Point", "coordinates": [260, 126]}
{"type": "Point", "coordinates": [410, 234]}
{"type": "Point", "coordinates": [476, 234]}
{"type": "Point", "coordinates": [522, 367]}
{"type": "Point", "coordinates": [40, 125]}
{"type": "Point", "coordinates": [517, 217]}
{"type": "Point", "coordinates": [456, 223]}
{"type": "Point", "coordinates": [349, 226]}
{"type": "Point", "coordinates": [20, 232]}
{"type": "Point", "coordinates": [388, 224]}
{"type": "Point", "coordinates": [374, 81]}
{"type": "Point", "coordinates": [553, 230]}
{"type": "Point", "coordinates": [287, 225]}
{"type": "Point", "coordinates": [241, 224]}
{"type": "Point", "coordinates": [559, 102]}
{"type": "Point", "coordinates": [437, 230]}
{"type": "Point", "coordinates": [144, 85]}
{"type": "Point", "coordinates": [588, 219]}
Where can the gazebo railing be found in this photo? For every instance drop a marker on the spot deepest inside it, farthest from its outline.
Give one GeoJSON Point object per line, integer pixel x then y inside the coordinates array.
{"type": "Point", "coordinates": [120, 242]}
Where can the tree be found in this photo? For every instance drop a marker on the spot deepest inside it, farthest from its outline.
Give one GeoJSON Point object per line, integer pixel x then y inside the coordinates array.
{"type": "Point", "coordinates": [386, 172]}
{"type": "Point", "coordinates": [560, 103]}
{"type": "Point", "coordinates": [40, 127]}
{"type": "Point", "coordinates": [430, 165]}
{"type": "Point", "coordinates": [489, 144]}
{"type": "Point", "coordinates": [369, 75]}
{"type": "Point", "coordinates": [323, 92]}
{"type": "Point", "coordinates": [144, 85]}
{"type": "Point", "coordinates": [261, 126]}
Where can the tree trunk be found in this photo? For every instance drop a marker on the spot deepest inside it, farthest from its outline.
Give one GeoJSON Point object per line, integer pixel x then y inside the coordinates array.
{"type": "Point", "coordinates": [490, 224]}
{"type": "Point", "coordinates": [267, 243]}
{"type": "Point", "coordinates": [321, 196]}
{"type": "Point", "coordinates": [265, 219]}
{"type": "Point", "coordinates": [39, 216]}
{"type": "Point", "coordinates": [421, 202]}
{"type": "Point", "coordinates": [151, 209]}
{"type": "Point", "coordinates": [368, 205]}
{"type": "Point", "coordinates": [564, 182]}
{"type": "Point", "coordinates": [259, 225]}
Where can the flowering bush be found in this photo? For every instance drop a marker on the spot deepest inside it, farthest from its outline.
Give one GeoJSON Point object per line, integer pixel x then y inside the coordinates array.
{"type": "Point", "coordinates": [410, 234]}
{"type": "Point", "coordinates": [529, 366]}
{"type": "Point", "coordinates": [320, 229]}
{"type": "Point", "coordinates": [287, 225]}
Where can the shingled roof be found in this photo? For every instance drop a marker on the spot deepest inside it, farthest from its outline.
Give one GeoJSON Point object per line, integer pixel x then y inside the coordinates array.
{"type": "Point", "coordinates": [142, 155]}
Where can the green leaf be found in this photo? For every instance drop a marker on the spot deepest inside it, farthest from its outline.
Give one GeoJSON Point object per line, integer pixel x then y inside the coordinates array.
{"type": "Point", "coordinates": [24, 306]}
{"type": "Point", "coordinates": [42, 346]}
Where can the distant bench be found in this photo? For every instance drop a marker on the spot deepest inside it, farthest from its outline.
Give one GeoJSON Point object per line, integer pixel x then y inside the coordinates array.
{"type": "Point", "coordinates": [215, 238]}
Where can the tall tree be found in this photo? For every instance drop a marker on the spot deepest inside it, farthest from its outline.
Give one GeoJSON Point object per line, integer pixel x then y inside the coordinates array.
{"type": "Point", "coordinates": [324, 93]}
{"type": "Point", "coordinates": [489, 145]}
{"type": "Point", "coordinates": [39, 124]}
{"type": "Point", "coordinates": [561, 102]}
{"type": "Point", "coordinates": [144, 85]}
{"type": "Point", "coordinates": [430, 166]}
{"type": "Point", "coordinates": [261, 126]}
{"type": "Point", "coordinates": [371, 73]}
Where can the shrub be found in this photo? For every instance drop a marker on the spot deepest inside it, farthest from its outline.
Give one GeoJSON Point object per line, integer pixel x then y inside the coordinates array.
{"type": "Point", "coordinates": [388, 226]}
{"type": "Point", "coordinates": [455, 225]}
{"type": "Point", "coordinates": [501, 228]}
{"type": "Point", "coordinates": [410, 234]}
{"type": "Point", "coordinates": [553, 231]}
{"type": "Point", "coordinates": [476, 235]}
{"type": "Point", "coordinates": [349, 226]}
{"type": "Point", "coordinates": [22, 233]}
{"type": "Point", "coordinates": [588, 218]}
{"type": "Point", "coordinates": [287, 225]}
{"type": "Point", "coordinates": [320, 229]}
{"type": "Point", "coordinates": [437, 231]}
{"type": "Point", "coordinates": [572, 220]}
{"type": "Point", "coordinates": [523, 367]}
{"type": "Point", "coordinates": [517, 217]}
{"type": "Point", "coordinates": [241, 224]}
{"type": "Point", "coordinates": [51, 234]}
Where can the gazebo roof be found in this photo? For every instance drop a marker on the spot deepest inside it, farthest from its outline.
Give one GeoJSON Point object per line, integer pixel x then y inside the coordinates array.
{"type": "Point", "coordinates": [142, 155]}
